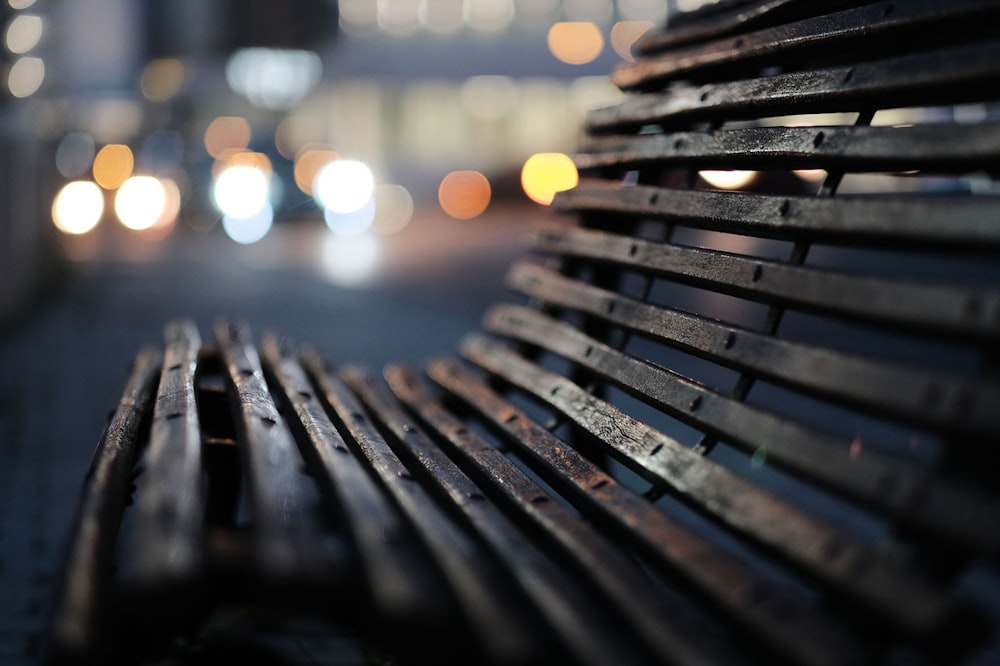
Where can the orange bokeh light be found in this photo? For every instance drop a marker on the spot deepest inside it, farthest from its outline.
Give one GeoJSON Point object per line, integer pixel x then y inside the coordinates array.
{"type": "Point", "coordinates": [464, 194]}
{"type": "Point", "coordinates": [225, 134]}
{"type": "Point", "coordinates": [308, 162]}
{"type": "Point", "coordinates": [575, 42]}
{"type": "Point", "coordinates": [625, 34]}
{"type": "Point", "coordinates": [113, 165]}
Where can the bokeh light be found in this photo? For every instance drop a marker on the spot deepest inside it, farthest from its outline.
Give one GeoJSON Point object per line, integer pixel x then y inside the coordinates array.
{"type": "Point", "coordinates": [249, 230]}
{"type": "Point", "coordinates": [78, 207]}
{"type": "Point", "coordinates": [241, 192]}
{"type": "Point", "coordinates": [464, 194]}
{"type": "Point", "coordinates": [441, 17]}
{"type": "Point", "coordinates": [26, 76]}
{"type": "Point", "coordinates": [398, 17]}
{"type": "Point", "coordinates": [349, 261]}
{"type": "Point", "coordinates": [20, 4]}
{"type": "Point", "coordinates": [489, 97]}
{"type": "Point", "coordinates": [75, 154]}
{"type": "Point", "coordinates": [625, 34]}
{"type": "Point", "coordinates": [728, 180]}
{"type": "Point", "coordinates": [344, 186]}
{"type": "Point", "coordinates": [544, 174]}
{"type": "Point", "coordinates": [575, 42]}
{"type": "Point", "coordinates": [351, 224]}
{"type": "Point", "coordinates": [393, 209]}
{"type": "Point", "coordinates": [161, 79]}
{"type": "Point", "coordinates": [654, 11]}
{"type": "Point", "coordinates": [23, 33]}
{"type": "Point", "coordinates": [273, 78]}
{"type": "Point", "coordinates": [308, 163]}
{"type": "Point", "coordinates": [226, 134]}
{"type": "Point", "coordinates": [113, 165]}
{"type": "Point", "coordinates": [597, 11]}
{"type": "Point", "coordinates": [488, 15]}
{"type": "Point", "coordinates": [171, 203]}
{"type": "Point", "coordinates": [140, 202]}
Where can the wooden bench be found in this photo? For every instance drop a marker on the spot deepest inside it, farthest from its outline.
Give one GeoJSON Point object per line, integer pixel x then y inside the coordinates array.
{"type": "Point", "coordinates": [718, 426]}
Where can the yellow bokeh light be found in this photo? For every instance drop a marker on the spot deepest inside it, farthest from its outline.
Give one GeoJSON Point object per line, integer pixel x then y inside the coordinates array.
{"type": "Point", "coordinates": [113, 165]}
{"type": "Point", "coordinates": [544, 174]}
{"type": "Point", "coordinates": [140, 202]}
{"type": "Point", "coordinates": [575, 42]}
{"type": "Point", "coordinates": [226, 134]}
{"type": "Point", "coordinates": [78, 207]}
{"type": "Point", "coordinates": [308, 163]}
{"type": "Point", "coordinates": [162, 79]}
{"type": "Point", "coordinates": [728, 180]}
{"type": "Point", "coordinates": [625, 34]}
{"type": "Point", "coordinates": [464, 194]}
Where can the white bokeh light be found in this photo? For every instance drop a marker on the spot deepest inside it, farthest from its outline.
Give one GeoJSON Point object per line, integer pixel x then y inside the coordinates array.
{"type": "Point", "coordinates": [78, 207]}
{"type": "Point", "coordinates": [140, 202]}
{"type": "Point", "coordinates": [248, 230]}
{"type": "Point", "coordinates": [344, 186]}
{"type": "Point", "coordinates": [241, 192]}
{"type": "Point", "coordinates": [351, 224]}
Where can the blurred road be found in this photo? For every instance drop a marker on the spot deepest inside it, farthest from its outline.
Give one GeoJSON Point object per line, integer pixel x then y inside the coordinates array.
{"type": "Point", "coordinates": [63, 364]}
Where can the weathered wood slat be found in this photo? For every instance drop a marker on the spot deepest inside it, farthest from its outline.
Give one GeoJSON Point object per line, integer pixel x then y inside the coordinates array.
{"type": "Point", "coordinates": [77, 625]}
{"type": "Point", "coordinates": [397, 572]}
{"type": "Point", "coordinates": [949, 76]}
{"type": "Point", "coordinates": [286, 535]}
{"type": "Point", "coordinates": [800, 633]}
{"type": "Point", "coordinates": [932, 308]}
{"type": "Point", "coordinates": [469, 570]}
{"type": "Point", "coordinates": [671, 634]}
{"type": "Point", "coordinates": [169, 532]}
{"type": "Point", "coordinates": [955, 222]}
{"type": "Point", "coordinates": [890, 485]}
{"type": "Point", "coordinates": [819, 550]}
{"type": "Point", "coordinates": [881, 388]}
{"type": "Point", "coordinates": [561, 599]}
{"type": "Point", "coordinates": [875, 29]}
{"type": "Point", "coordinates": [934, 147]}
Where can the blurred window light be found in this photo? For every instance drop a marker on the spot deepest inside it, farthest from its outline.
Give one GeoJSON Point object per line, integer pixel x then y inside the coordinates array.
{"type": "Point", "coordinates": [728, 180]}
{"type": "Point", "coordinates": [654, 11]}
{"type": "Point", "coordinates": [78, 207]}
{"type": "Point", "coordinates": [308, 163]}
{"type": "Point", "coordinates": [162, 152]}
{"type": "Point", "coordinates": [358, 16]}
{"type": "Point", "coordinates": [464, 194]}
{"type": "Point", "coordinates": [24, 32]}
{"type": "Point", "coordinates": [241, 192]}
{"type": "Point", "coordinates": [26, 76]}
{"type": "Point", "coordinates": [596, 11]}
{"type": "Point", "coordinates": [349, 261]}
{"type": "Point", "coordinates": [441, 17]}
{"type": "Point", "coordinates": [575, 42]}
{"type": "Point", "coordinates": [161, 79]}
{"type": "Point", "coordinates": [140, 202]}
{"type": "Point", "coordinates": [20, 4]}
{"type": "Point", "coordinates": [489, 97]}
{"type": "Point", "coordinates": [226, 133]}
{"type": "Point", "coordinates": [353, 223]}
{"type": "Point", "coordinates": [399, 17]}
{"type": "Point", "coordinates": [113, 165]}
{"type": "Point", "coordinates": [344, 186]}
{"type": "Point", "coordinates": [544, 174]}
{"type": "Point", "coordinates": [75, 154]}
{"type": "Point", "coordinates": [624, 35]}
{"type": "Point", "coordinates": [273, 78]}
{"type": "Point", "coordinates": [249, 230]}
{"type": "Point", "coordinates": [488, 15]}
{"type": "Point", "coordinates": [393, 209]}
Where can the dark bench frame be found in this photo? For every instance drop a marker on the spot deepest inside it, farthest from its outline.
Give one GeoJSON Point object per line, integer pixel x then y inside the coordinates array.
{"type": "Point", "coordinates": [611, 474]}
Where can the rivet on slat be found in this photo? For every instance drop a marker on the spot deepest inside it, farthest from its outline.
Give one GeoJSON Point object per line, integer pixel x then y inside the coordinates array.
{"type": "Point", "coordinates": [849, 75]}
{"type": "Point", "coordinates": [461, 432]}
{"type": "Point", "coordinates": [268, 421]}
{"type": "Point", "coordinates": [730, 341]}
{"type": "Point", "coordinates": [404, 475]}
{"type": "Point", "coordinates": [475, 496]}
{"type": "Point", "coordinates": [758, 272]}
{"type": "Point", "coordinates": [175, 367]}
{"type": "Point", "coordinates": [555, 390]}
{"type": "Point", "coordinates": [407, 428]}
{"type": "Point", "coordinates": [305, 395]}
{"type": "Point", "coordinates": [174, 415]}
{"type": "Point", "coordinates": [695, 404]}
{"type": "Point", "coordinates": [818, 141]}
{"type": "Point", "coordinates": [600, 484]}
{"type": "Point", "coordinates": [678, 143]}
{"type": "Point", "coordinates": [589, 351]}
{"type": "Point", "coordinates": [540, 499]}
{"type": "Point", "coordinates": [739, 43]}
{"type": "Point", "coordinates": [653, 198]}
{"type": "Point", "coordinates": [510, 418]}
{"type": "Point", "coordinates": [704, 96]}
{"type": "Point", "coordinates": [609, 307]}
{"type": "Point", "coordinates": [246, 372]}
{"type": "Point", "coordinates": [633, 250]}
{"type": "Point", "coordinates": [656, 449]}
{"type": "Point", "coordinates": [786, 206]}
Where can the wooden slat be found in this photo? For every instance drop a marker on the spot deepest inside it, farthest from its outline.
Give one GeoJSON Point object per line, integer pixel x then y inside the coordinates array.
{"type": "Point", "coordinates": [76, 625]}
{"type": "Point", "coordinates": [726, 18]}
{"type": "Point", "coordinates": [933, 147]}
{"type": "Point", "coordinates": [573, 614]}
{"type": "Point", "coordinates": [820, 550]}
{"type": "Point", "coordinates": [169, 530]}
{"type": "Point", "coordinates": [934, 309]}
{"type": "Point", "coordinates": [930, 221]}
{"type": "Point", "coordinates": [800, 633]}
{"type": "Point", "coordinates": [890, 485]}
{"type": "Point", "coordinates": [949, 76]}
{"type": "Point", "coordinates": [469, 569]}
{"type": "Point", "coordinates": [841, 37]}
{"type": "Point", "coordinates": [881, 388]}
{"type": "Point", "coordinates": [670, 633]}
{"type": "Point", "coordinates": [397, 572]}
{"type": "Point", "coordinates": [285, 531]}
